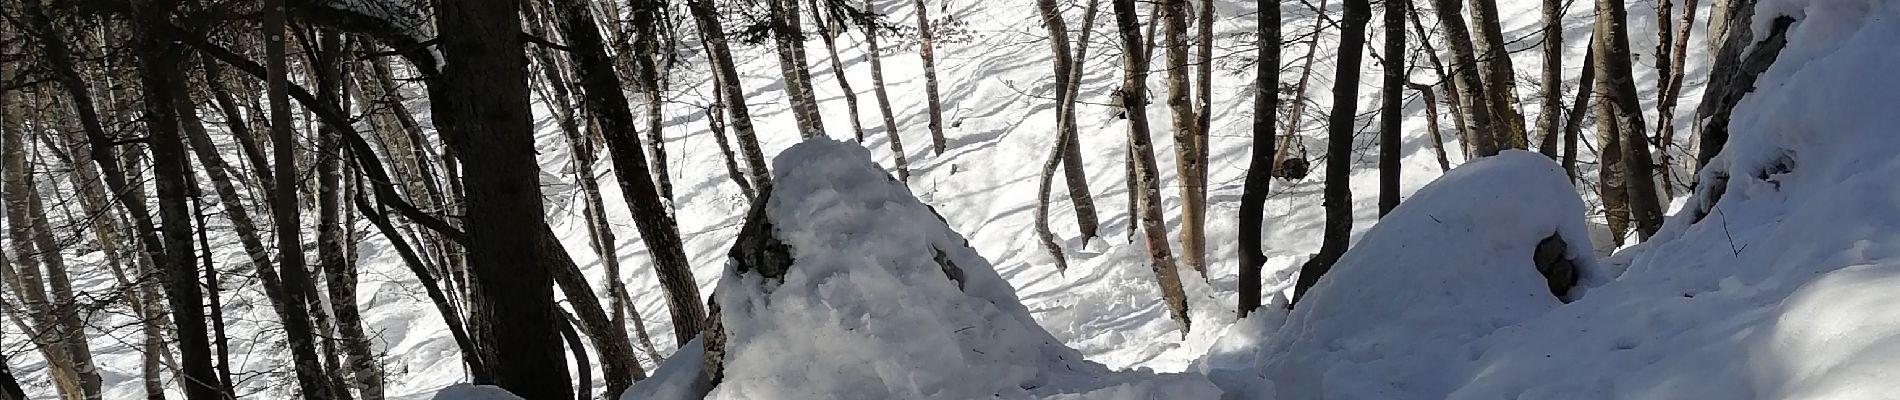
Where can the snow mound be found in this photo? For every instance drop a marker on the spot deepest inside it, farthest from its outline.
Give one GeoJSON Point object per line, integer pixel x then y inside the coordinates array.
{"type": "Point", "coordinates": [843, 285]}
{"type": "Point", "coordinates": [1452, 264]}
{"type": "Point", "coordinates": [463, 391]}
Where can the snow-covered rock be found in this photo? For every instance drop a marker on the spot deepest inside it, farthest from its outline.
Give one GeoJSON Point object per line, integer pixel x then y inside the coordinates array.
{"type": "Point", "coordinates": [844, 286]}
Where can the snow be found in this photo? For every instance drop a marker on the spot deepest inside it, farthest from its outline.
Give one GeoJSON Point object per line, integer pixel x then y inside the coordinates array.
{"type": "Point", "coordinates": [1450, 265]}
{"type": "Point", "coordinates": [463, 391]}
{"type": "Point", "coordinates": [868, 309]}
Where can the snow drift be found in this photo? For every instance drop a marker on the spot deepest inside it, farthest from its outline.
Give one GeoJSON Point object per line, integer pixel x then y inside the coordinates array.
{"type": "Point", "coordinates": [843, 285]}
{"type": "Point", "coordinates": [1777, 282]}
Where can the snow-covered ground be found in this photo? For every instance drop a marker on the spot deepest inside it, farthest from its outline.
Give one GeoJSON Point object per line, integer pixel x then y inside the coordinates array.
{"type": "Point", "coordinates": [1777, 294]}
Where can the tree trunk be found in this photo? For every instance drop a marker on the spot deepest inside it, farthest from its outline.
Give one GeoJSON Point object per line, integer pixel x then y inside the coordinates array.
{"type": "Point", "coordinates": [1621, 109]}
{"type": "Point", "coordinates": [1451, 90]}
{"type": "Point", "coordinates": [1390, 119]}
{"type": "Point", "coordinates": [1734, 75]}
{"type": "Point", "coordinates": [883, 98]}
{"type": "Point", "coordinates": [1352, 40]}
{"type": "Point", "coordinates": [1480, 117]}
{"type": "Point", "coordinates": [1253, 192]}
{"type": "Point", "coordinates": [716, 122]}
{"type": "Point", "coordinates": [926, 49]}
{"type": "Point", "coordinates": [333, 256]}
{"type": "Point", "coordinates": [1086, 216]}
{"type": "Point", "coordinates": [470, 355]}
{"type": "Point", "coordinates": [786, 32]}
{"type": "Point", "coordinates": [828, 29]}
{"type": "Point", "coordinates": [481, 101]}
{"type": "Point", "coordinates": [710, 28]}
{"type": "Point", "coordinates": [1500, 81]}
{"type": "Point", "coordinates": [656, 225]}
{"type": "Point", "coordinates": [1059, 46]}
{"type": "Point", "coordinates": [1431, 123]}
{"type": "Point", "coordinates": [48, 327]}
{"type": "Point", "coordinates": [1672, 91]}
{"type": "Point", "coordinates": [1298, 111]}
{"type": "Point", "coordinates": [652, 84]}
{"type": "Point", "coordinates": [1146, 183]}
{"type": "Point", "coordinates": [159, 59]}
{"type": "Point", "coordinates": [610, 339]}
{"type": "Point", "coordinates": [1574, 123]}
{"type": "Point", "coordinates": [1552, 84]}
{"type": "Point", "coordinates": [1190, 169]}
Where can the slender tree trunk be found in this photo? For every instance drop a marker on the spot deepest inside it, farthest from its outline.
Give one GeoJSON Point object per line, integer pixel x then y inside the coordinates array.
{"type": "Point", "coordinates": [1573, 124]}
{"type": "Point", "coordinates": [1187, 141]}
{"type": "Point", "coordinates": [828, 30]}
{"type": "Point", "coordinates": [1204, 86]}
{"type": "Point", "coordinates": [333, 256]}
{"type": "Point", "coordinates": [707, 18]}
{"type": "Point", "coordinates": [1076, 174]}
{"type": "Point", "coordinates": [1065, 129]}
{"type": "Point", "coordinates": [219, 341]}
{"type": "Point", "coordinates": [1298, 110]}
{"type": "Point", "coordinates": [1253, 192]}
{"type": "Point", "coordinates": [883, 98]}
{"type": "Point", "coordinates": [1481, 117]}
{"type": "Point", "coordinates": [584, 376]}
{"type": "Point", "coordinates": [927, 49]}
{"type": "Point", "coordinates": [1134, 89]}
{"type": "Point", "coordinates": [1620, 108]}
{"type": "Point", "coordinates": [1671, 91]}
{"type": "Point", "coordinates": [1552, 84]}
{"type": "Point", "coordinates": [1451, 90]}
{"type": "Point", "coordinates": [657, 227]}
{"type": "Point", "coordinates": [652, 84]}
{"type": "Point", "coordinates": [716, 122]}
{"type": "Point", "coordinates": [1390, 119]}
{"type": "Point", "coordinates": [1352, 40]}
{"type": "Point", "coordinates": [159, 60]}
{"type": "Point", "coordinates": [1500, 81]}
{"type": "Point", "coordinates": [1431, 124]}
{"type": "Point", "coordinates": [470, 356]}
{"type": "Point", "coordinates": [45, 322]}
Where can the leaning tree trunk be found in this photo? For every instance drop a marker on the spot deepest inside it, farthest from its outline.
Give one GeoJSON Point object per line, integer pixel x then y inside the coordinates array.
{"type": "Point", "coordinates": [1076, 174]}
{"type": "Point", "coordinates": [828, 29]}
{"type": "Point", "coordinates": [1298, 110]}
{"type": "Point", "coordinates": [1393, 89]}
{"type": "Point", "coordinates": [1062, 58]}
{"type": "Point", "coordinates": [657, 228]}
{"type": "Point", "coordinates": [1253, 192]}
{"type": "Point", "coordinates": [1621, 109]}
{"type": "Point", "coordinates": [1483, 125]}
{"type": "Point", "coordinates": [883, 97]}
{"type": "Point", "coordinates": [1339, 129]}
{"type": "Point", "coordinates": [1147, 183]}
{"type": "Point", "coordinates": [1500, 81]}
{"type": "Point", "coordinates": [1431, 123]}
{"type": "Point", "coordinates": [45, 325]}
{"type": "Point", "coordinates": [926, 49]}
{"type": "Point", "coordinates": [1551, 85]}
{"type": "Point", "coordinates": [1573, 125]}
{"type": "Point", "coordinates": [720, 54]}
{"type": "Point", "coordinates": [652, 84]}
{"type": "Point", "coordinates": [1190, 169]}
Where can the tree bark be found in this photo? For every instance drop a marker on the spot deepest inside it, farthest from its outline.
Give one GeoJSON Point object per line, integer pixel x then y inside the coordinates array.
{"type": "Point", "coordinates": [652, 85]}
{"type": "Point", "coordinates": [1671, 91]}
{"type": "Point", "coordinates": [926, 49]}
{"type": "Point", "coordinates": [720, 54]}
{"type": "Point", "coordinates": [1390, 119]}
{"type": "Point", "coordinates": [1338, 192]}
{"type": "Point", "coordinates": [1574, 123]}
{"type": "Point", "coordinates": [1620, 108]}
{"type": "Point", "coordinates": [481, 102]}
{"type": "Point", "coordinates": [828, 30]}
{"type": "Point", "coordinates": [1059, 47]}
{"type": "Point", "coordinates": [1253, 191]}
{"type": "Point", "coordinates": [1431, 124]}
{"type": "Point", "coordinates": [333, 255]}
{"type": "Point", "coordinates": [1551, 85]}
{"type": "Point", "coordinates": [1500, 81]}
{"type": "Point", "coordinates": [49, 327]}
{"type": "Point", "coordinates": [1190, 169]}
{"type": "Point", "coordinates": [786, 32]}
{"type": "Point", "coordinates": [656, 225]}
{"type": "Point", "coordinates": [883, 98]}
{"type": "Point", "coordinates": [1134, 89]}
{"type": "Point", "coordinates": [1483, 125]}
{"type": "Point", "coordinates": [1298, 111]}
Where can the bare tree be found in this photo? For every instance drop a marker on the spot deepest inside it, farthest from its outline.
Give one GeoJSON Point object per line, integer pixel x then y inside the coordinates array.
{"type": "Point", "coordinates": [786, 32]}
{"type": "Point", "coordinates": [1500, 81]}
{"type": "Point", "coordinates": [1191, 170]}
{"type": "Point", "coordinates": [1392, 98]}
{"type": "Point", "coordinates": [1339, 132]}
{"type": "Point", "coordinates": [926, 50]}
{"type": "Point", "coordinates": [712, 33]}
{"type": "Point", "coordinates": [1431, 123]}
{"type": "Point", "coordinates": [1620, 108]}
{"type": "Point", "coordinates": [1134, 101]}
{"type": "Point", "coordinates": [1551, 83]}
{"type": "Point", "coordinates": [1469, 87]}
{"type": "Point", "coordinates": [1669, 87]}
{"type": "Point", "coordinates": [1253, 192]}
{"type": "Point", "coordinates": [829, 28]}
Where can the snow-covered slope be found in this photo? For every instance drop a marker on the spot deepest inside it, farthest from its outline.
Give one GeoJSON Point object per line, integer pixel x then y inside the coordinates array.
{"type": "Point", "coordinates": [1784, 290]}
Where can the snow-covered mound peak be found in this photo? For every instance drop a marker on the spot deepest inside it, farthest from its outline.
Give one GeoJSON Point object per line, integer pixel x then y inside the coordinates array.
{"type": "Point", "coordinates": [843, 285]}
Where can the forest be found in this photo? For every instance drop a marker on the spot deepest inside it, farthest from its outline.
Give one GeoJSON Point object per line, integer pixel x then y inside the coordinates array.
{"type": "Point", "coordinates": [948, 199]}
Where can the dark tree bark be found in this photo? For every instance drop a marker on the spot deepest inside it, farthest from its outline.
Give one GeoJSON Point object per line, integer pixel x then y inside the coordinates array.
{"type": "Point", "coordinates": [652, 84]}
{"type": "Point", "coordinates": [1552, 78]}
{"type": "Point", "coordinates": [1390, 117]}
{"type": "Point", "coordinates": [1253, 192]}
{"type": "Point", "coordinates": [1134, 100]}
{"type": "Point", "coordinates": [481, 101]}
{"type": "Point", "coordinates": [713, 33]}
{"type": "Point", "coordinates": [1620, 108]}
{"type": "Point", "coordinates": [1735, 74]}
{"type": "Point", "coordinates": [1352, 40]}
{"type": "Point", "coordinates": [284, 213]}
{"type": "Point", "coordinates": [883, 98]}
{"type": "Point", "coordinates": [926, 49]}
{"type": "Point", "coordinates": [1431, 124]}
{"type": "Point", "coordinates": [334, 257]}
{"type": "Point", "coordinates": [1298, 109]}
{"type": "Point", "coordinates": [1573, 124]}
{"type": "Point", "coordinates": [158, 69]}
{"type": "Point", "coordinates": [656, 225]}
